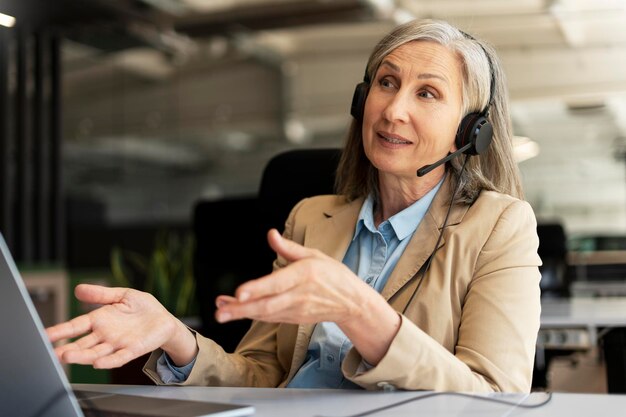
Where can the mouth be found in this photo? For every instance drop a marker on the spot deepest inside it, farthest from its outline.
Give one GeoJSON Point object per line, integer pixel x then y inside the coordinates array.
{"type": "Point", "coordinates": [393, 139]}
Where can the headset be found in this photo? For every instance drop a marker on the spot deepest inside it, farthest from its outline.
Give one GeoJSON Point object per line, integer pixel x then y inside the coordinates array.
{"type": "Point", "coordinates": [474, 134]}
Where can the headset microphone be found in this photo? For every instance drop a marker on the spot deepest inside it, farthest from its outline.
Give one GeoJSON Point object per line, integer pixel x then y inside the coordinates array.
{"type": "Point", "coordinates": [427, 168]}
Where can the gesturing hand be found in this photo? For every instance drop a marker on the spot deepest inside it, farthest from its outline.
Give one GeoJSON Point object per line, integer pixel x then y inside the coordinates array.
{"type": "Point", "coordinates": [314, 288]}
{"type": "Point", "coordinates": [129, 324]}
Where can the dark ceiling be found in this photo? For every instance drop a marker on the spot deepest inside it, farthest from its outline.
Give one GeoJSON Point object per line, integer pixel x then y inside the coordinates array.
{"type": "Point", "coordinates": [35, 14]}
{"type": "Point", "coordinates": [112, 25]}
{"type": "Point", "coordinates": [70, 14]}
{"type": "Point", "coordinates": [272, 16]}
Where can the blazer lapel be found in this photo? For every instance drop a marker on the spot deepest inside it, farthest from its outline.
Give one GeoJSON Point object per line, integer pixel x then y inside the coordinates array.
{"type": "Point", "coordinates": [333, 234]}
{"type": "Point", "coordinates": [415, 255]}
{"type": "Point", "coordinates": [422, 244]}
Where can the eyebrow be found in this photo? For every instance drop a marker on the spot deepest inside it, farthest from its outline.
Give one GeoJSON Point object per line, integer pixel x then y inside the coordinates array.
{"type": "Point", "coordinates": [422, 76]}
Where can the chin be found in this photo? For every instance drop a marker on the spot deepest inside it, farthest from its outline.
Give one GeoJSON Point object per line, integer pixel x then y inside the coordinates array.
{"type": "Point", "coordinates": [393, 164]}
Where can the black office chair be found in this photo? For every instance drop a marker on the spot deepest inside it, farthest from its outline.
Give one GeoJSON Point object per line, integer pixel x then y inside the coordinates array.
{"type": "Point", "coordinates": [554, 283]}
{"type": "Point", "coordinates": [227, 239]}
{"type": "Point", "coordinates": [293, 175]}
{"type": "Point", "coordinates": [231, 244]}
{"type": "Point", "coordinates": [553, 253]}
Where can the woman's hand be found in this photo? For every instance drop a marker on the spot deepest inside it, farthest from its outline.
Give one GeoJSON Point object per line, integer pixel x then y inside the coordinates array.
{"type": "Point", "coordinates": [314, 288]}
{"type": "Point", "coordinates": [129, 324]}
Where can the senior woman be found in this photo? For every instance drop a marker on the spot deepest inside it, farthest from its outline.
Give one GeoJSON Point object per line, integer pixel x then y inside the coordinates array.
{"type": "Point", "coordinates": [414, 282]}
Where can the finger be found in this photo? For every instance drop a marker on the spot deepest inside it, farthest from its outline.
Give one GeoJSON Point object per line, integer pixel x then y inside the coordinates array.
{"type": "Point", "coordinates": [115, 360]}
{"type": "Point", "coordinates": [87, 342]}
{"type": "Point", "coordinates": [277, 282]}
{"type": "Point", "coordinates": [96, 294]}
{"type": "Point", "coordinates": [280, 280]}
{"type": "Point", "coordinates": [278, 308]}
{"type": "Point", "coordinates": [286, 248]}
{"type": "Point", "coordinates": [88, 356]}
{"type": "Point", "coordinates": [222, 300]}
{"type": "Point", "coordinates": [60, 350]}
{"type": "Point", "coordinates": [102, 350]}
{"type": "Point", "coordinates": [73, 328]}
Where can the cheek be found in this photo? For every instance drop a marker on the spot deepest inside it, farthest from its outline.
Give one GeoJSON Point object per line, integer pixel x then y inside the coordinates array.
{"type": "Point", "coordinates": [453, 140]}
{"type": "Point", "coordinates": [368, 122]}
{"type": "Point", "coordinates": [448, 134]}
{"type": "Point", "coordinates": [368, 113]}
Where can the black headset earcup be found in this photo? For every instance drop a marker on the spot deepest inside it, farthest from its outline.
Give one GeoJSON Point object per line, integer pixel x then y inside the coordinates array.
{"type": "Point", "coordinates": [358, 101]}
{"type": "Point", "coordinates": [474, 129]}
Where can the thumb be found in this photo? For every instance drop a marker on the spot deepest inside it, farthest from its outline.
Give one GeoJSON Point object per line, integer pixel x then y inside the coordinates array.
{"type": "Point", "coordinates": [96, 294]}
{"type": "Point", "coordinates": [286, 248]}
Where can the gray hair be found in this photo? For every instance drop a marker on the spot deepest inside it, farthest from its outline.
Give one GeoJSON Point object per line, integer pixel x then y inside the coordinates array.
{"type": "Point", "coordinates": [494, 169]}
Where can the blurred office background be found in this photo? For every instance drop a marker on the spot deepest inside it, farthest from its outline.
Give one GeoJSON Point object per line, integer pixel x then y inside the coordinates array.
{"type": "Point", "coordinates": [119, 116]}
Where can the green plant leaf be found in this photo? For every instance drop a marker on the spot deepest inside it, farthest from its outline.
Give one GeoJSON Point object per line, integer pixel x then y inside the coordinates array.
{"type": "Point", "coordinates": [184, 301]}
{"type": "Point", "coordinates": [184, 278]}
{"type": "Point", "coordinates": [159, 274]}
{"type": "Point", "coordinates": [167, 273]}
{"type": "Point", "coordinates": [120, 274]}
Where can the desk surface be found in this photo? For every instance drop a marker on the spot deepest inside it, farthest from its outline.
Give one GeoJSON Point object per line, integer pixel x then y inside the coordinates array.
{"type": "Point", "coordinates": [584, 312]}
{"type": "Point", "coordinates": [339, 403]}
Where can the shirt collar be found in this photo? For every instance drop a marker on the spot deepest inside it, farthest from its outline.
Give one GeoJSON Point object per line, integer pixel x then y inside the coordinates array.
{"type": "Point", "coordinates": [403, 223]}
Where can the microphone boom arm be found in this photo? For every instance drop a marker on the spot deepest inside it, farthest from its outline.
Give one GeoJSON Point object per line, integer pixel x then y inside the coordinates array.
{"type": "Point", "coordinates": [427, 168]}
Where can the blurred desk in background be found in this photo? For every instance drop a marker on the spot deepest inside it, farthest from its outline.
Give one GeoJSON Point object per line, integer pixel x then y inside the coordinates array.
{"type": "Point", "coordinates": [591, 289]}
{"type": "Point", "coordinates": [577, 324]}
{"type": "Point", "coordinates": [49, 291]}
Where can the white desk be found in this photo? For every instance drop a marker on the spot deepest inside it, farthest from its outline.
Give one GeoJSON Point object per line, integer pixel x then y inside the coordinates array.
{"type": "Point", "coordinates": [586, 312]}
{"type": "Point", "coordinates": [274, 402]}
{"type": "Point", "coordinates": [578, 323]}
{"type": "Point", "coordinates": [574, 322]}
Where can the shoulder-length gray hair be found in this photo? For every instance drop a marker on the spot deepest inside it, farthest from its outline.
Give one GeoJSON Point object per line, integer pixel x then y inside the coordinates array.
{"type": "Point", "coordinates": [494, 169]}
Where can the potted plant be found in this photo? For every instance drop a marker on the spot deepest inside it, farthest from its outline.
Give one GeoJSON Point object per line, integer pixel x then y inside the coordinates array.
{"type": "Point", "coordinates": [167, 273]}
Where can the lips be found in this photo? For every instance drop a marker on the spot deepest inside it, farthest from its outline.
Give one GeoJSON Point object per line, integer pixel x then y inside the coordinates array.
{"type": "Point", "coordinates": [393, 139]}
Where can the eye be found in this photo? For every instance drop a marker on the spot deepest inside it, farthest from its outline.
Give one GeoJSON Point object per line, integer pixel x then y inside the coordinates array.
{"type": "Point", "coordinates": [386, 82]}
{"type": "Point", "coordinates": [426, 94]}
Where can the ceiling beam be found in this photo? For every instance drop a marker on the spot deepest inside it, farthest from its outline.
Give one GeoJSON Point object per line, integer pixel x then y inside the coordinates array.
{"type": "Point", "coordinates": [269, 15]}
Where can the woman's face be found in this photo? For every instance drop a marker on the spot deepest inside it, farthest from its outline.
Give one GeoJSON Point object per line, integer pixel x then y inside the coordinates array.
{"type": "Point", "coordinates": [413, 109]}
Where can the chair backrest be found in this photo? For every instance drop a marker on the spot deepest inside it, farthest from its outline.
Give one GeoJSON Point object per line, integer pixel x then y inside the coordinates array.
{"type": "Point", "coordinates": [226, 255]}
{"type": "Point", "coordinates": [293, 175]}
{"type": "Point", "coordinates": [553, 253]}
{"type": "Point", "coordinates": [231, 245]}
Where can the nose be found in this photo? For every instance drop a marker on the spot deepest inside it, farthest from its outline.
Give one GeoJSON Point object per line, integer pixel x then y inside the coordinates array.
{"type": "Point", "coordinates": [397, 109]}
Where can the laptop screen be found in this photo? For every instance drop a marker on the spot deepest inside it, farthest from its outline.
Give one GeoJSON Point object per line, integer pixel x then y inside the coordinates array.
{"type": "Point", "coordinates": [34, 383]}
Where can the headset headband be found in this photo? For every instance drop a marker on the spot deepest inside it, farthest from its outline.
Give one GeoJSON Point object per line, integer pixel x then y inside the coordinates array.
{"type": "Point", "coordinates": [492, 82]}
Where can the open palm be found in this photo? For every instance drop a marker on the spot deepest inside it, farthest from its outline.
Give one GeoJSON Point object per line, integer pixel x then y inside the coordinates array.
{"type": "Point", "coordinates": [129, 324]}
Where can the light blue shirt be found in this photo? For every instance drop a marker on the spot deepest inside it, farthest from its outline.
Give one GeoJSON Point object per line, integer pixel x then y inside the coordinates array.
{"type": "Point", "coordinates": [372, 256]}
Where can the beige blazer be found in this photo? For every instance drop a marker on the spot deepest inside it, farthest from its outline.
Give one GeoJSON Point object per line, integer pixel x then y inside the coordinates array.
{"type": "Point", "coordinates": [472, 326]}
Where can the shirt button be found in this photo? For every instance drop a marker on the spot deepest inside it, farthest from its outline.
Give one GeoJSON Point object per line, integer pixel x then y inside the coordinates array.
{"type": "Point", "coordinates": [369, 280]}
{"type": "Point", "coordinates": [330, 358]}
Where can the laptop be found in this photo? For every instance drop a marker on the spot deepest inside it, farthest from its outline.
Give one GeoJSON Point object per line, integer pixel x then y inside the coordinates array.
{"type": "Point", "coordinates": [34, 383]}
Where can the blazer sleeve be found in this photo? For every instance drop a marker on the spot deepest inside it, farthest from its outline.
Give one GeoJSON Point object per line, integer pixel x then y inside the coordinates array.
{"type": "Point", "coordinates": [260, 360]}
{"type": "Point", "coordinates": [498, 325]}
{"type": "Point", "coordinates": [253, 365]}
